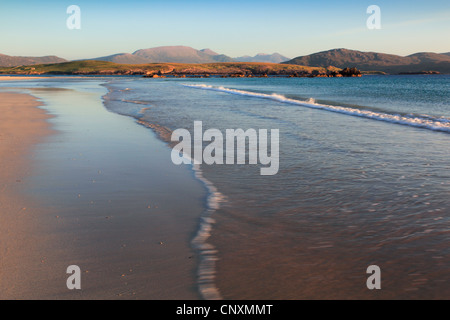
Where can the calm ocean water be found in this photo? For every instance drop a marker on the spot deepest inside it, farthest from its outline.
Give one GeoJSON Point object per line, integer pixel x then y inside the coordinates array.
{"type": "Point", "coordinates": [363, 180]}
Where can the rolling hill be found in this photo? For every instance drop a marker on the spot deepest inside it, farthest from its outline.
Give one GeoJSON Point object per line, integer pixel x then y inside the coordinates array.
{"type": "Point", "coordinates": [373, 61]}
{"type": "Point", "coordinates": [12, 61]}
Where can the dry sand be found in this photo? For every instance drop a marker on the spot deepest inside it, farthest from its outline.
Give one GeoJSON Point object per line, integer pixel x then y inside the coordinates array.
{"type": "Point", "coordinates": [9, 78]}
{"type": "Point", "coordinates": [21, 126]}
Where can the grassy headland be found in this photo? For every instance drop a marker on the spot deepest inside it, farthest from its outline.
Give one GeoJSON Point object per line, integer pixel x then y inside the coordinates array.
{"type": "Point", "coordinates": [92, 67]}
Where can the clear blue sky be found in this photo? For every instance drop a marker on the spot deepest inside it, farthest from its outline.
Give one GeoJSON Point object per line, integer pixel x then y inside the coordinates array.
{"type": "Point", "coordinates": [232, 27]}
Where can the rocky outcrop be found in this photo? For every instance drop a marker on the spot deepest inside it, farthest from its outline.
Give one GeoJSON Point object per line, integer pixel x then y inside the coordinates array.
{"type": "Point", "coordinates": [350, 72]}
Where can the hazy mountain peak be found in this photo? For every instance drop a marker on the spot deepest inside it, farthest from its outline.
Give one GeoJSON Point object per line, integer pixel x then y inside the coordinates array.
{"type": "Point", "coordinates": [263, 57]}
{"type": "Point", "coordinates": [210, 52]}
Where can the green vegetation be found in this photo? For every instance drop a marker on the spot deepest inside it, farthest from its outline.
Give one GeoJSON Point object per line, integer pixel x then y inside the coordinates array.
{"type": "Point", "coordinates": [93, 67]}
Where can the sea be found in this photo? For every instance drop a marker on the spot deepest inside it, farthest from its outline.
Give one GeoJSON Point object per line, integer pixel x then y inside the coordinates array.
{"type": "Point", "coordinates": [363, 180]}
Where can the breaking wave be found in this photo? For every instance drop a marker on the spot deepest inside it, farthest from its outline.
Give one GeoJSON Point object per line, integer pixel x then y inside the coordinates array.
{"type": "Point", "coordinates": [420, 121]}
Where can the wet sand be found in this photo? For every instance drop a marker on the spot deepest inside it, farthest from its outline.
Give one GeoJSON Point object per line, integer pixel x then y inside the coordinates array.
{"type": "Point", "coordinates": [93, 196]}
{"type": "Point", "coordinates": [20, 78]}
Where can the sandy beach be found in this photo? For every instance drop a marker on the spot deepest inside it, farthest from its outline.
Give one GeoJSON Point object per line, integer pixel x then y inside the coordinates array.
{"type": "Point", "coordinates": [70, 198]}
{"type": "Point", "coordinates": [22, 125]}
{"type": "Point", "coordinates": [19, 78]}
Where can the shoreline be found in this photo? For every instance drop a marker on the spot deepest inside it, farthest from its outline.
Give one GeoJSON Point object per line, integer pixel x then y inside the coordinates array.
{"type": "Point", "coordinates": [206, 269]}
{"type": "Point", "coordinates": [218, 69]}
{"type": "Point", "coordinates": [129, 239]}
{"type": "Point", "coordinates": [262, 252]}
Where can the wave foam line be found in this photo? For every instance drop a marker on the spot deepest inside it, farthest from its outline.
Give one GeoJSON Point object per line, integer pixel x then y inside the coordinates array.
{"type": "Point", "coordinates": [206, 272]}
{"type": "Point", "coordinates": [426, 122]}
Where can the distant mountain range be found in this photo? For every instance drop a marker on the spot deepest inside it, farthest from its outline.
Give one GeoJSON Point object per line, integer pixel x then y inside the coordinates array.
{"type": "Point", "coordinates": [168, 54]}
{"type": "Point", "coordinates": [173, 54]}
{"type": "Point", "coordinates": [373, 61]}
{"type": "Point", "coordinates": [263, 57]}
{"type": "Point", "coordinates": [182, 54]}
{"type": "Point", "coordinates": [12, 61]}
{"type": "Point", "coordinates": [340, 58]}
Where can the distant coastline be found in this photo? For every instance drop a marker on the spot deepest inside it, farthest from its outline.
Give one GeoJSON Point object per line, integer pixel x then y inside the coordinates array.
{"type": "Point", "coordinates": [191, 70]}
{"type": "Point", "coordinates": [154, 70]}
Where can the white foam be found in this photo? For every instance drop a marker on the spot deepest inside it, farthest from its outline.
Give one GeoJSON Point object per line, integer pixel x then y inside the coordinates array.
{"type": "Point", "coordinates": [206, 273]}
{"type": "Point", "coordinates": [426, 122]}
{"type": "Point", "coordinates": [208, 253]}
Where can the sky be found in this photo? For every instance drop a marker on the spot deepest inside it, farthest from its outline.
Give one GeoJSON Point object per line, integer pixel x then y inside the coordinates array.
{"type": "Point", "coordinates": [233, 27]}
